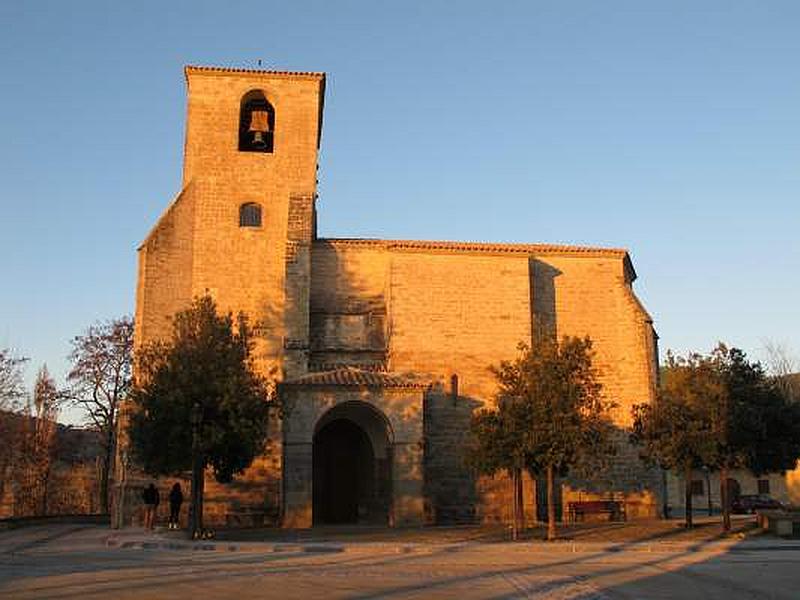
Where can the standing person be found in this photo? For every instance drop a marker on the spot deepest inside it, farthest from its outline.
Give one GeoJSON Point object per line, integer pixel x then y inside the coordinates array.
{"type": "Point", "coordinates": [175, 501]}
{"type": "Point", "coordinates": [151, 499]}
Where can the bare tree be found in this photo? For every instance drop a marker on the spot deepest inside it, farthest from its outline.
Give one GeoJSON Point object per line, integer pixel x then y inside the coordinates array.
{"type": "Point", "coordinates": [46, 400]}
{"type": "Point", "coordinates": [36, 447]}
{"type": "Point", "coordinates": [100, 378]}
{"type": "Point", "coordinates": [12, 391]}
{"type": "Point", "coordinates": [11, 387]}
{"type": "Point", "coordinates": [784, 367]}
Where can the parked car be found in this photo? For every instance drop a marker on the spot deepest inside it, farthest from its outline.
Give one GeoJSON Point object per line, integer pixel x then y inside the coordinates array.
{"type": "Point", "coordinates": [751, 503]}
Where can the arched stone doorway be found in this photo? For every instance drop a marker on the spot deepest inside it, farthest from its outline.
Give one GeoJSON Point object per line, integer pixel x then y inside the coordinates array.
{"type": "Point", "coordinates": [388, 410]}
{"type": "Point", "coordinates": [352, 466]}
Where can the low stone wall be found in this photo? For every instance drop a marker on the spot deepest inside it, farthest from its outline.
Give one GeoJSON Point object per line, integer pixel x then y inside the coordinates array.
{"type": "Point", "coordinates": [780, 522]}
{"type": "Point", "coordinates": [17, 522]}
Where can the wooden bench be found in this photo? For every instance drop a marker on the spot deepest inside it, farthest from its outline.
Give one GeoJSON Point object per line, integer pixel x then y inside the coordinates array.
{"type": "Point", "coordinates": [613, 508]}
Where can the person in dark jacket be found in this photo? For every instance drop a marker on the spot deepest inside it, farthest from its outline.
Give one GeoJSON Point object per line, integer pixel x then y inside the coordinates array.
{"type": "Point", "coordinates": [175, 501]}
{"type": "Point", "coordinates": [151, 499]}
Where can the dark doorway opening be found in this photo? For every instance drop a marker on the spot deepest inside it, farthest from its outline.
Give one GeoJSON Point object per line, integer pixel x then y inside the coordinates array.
{"type": "Point", "coordinates": [344, 473]}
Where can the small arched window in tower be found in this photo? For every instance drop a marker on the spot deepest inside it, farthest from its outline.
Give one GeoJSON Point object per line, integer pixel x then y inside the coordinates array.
{"type": "Point", "coordinates": [256, 123]}
{"type": "Point", "coordinates": [250, 215]}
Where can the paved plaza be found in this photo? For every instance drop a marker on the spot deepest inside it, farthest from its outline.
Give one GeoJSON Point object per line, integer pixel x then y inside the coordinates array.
{"type": "Point", "coordinates": [90, 561]}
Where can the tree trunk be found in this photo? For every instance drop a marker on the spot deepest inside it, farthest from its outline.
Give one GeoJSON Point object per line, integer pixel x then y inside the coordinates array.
{"type": "Point", "coordinates": [725, 499]}
{"type": "Point", "coordinates": [201, 492]}
{"type": "Point", "coordinates": [45, 485]}
{"type": "Point", "coordinates": [687, 480]}
{"type": "Point", "coordinates": [198, 477]}
{"type": "Point", "coordinates": [103, 483]}
{"type": "Point", "coordinates": [7, 458]}
{"type": "Point", "coordinates": [514, 505]}
{"type": "Point", "coordinates": [551, 505]}
{"type": "Point", "coordinates": [3, 470]}
{"type": "Point", "coordinates": [520, 502]}
{"type": "Point", "coordinates": [105, 474]}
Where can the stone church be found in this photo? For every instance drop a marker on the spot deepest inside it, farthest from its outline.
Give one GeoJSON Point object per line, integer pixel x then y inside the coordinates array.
{"type": "Point", "coordinates": [382, 347]}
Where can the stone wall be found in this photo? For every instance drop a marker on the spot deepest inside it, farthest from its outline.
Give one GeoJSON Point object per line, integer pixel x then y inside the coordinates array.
{"type": "Point", "coordinates": [456, 309]}
{"type": "Point", "coordinates": [349, 287]}
{"type": "Point", "coordinates": [298, 285]}
{"type": "Point", "coordinates": [457, 313]}
{"type": "Point", "coordinates": [450, 492]}
{"type": "Point", "coordinates": [460, 309]}
{"type": "Point", "coordinates": [165, 265]}
{"type": "Point", "coordinates": [592, 296]}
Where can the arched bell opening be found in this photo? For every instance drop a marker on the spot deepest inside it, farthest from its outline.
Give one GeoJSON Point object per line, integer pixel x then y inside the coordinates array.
{"type": "Point", "coordinates": [256, 123]}
{"type": "Point", "coordinates": [352, 466]}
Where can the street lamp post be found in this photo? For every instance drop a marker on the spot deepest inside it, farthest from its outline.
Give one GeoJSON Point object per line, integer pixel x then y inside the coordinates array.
{"type": "Point", "coordinates": [197, 473]}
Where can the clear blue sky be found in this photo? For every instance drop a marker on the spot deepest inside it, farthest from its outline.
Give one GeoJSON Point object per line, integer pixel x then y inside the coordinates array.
{"type": "Point", "coordinates": [670, 128]}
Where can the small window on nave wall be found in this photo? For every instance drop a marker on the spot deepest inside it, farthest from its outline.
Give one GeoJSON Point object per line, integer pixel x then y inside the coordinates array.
{"type": "Point", "coordinates": [250, 215]}
{"type": "Point", "coordinates": [256, 123]}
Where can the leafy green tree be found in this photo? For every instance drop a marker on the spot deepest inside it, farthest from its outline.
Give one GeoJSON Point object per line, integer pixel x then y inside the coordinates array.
{"type": "Point", "coordinates": [774, 423]}
{"type": "Point", "coordinates": [207, 364]}
{"type": "Point", "coordinates": [496, 444]}
{"type": "Point", "coordinates": [552, 416]}
{"type": "Point", "coordinates": [719, 411]}
{"type": "Point", "coordinates": [755, 425]}
{"type": "Point", "coordinates": [675, 432]}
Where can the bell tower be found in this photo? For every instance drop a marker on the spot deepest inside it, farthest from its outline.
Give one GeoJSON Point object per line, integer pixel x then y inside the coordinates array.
{"type": "Point", "coordinates": [250, 166]}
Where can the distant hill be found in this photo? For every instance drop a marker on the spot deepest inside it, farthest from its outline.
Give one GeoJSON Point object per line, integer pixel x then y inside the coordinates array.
{"type": "Point", "coordinates": [74, 444]}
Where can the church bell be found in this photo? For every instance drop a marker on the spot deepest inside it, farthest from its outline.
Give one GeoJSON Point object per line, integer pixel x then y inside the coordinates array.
{"type": "Point", "coordinates": [259, 126]}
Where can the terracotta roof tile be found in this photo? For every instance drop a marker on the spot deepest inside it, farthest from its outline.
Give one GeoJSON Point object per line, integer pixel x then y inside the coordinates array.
{"type": "Point", "coordinates": [486, 247]}
{"type": "Point", "coordinates": [232, 70]}
{"type": "Point", "coordinates": [349, 376]}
